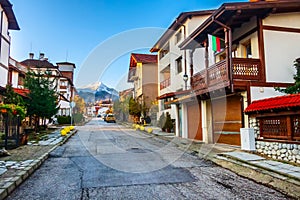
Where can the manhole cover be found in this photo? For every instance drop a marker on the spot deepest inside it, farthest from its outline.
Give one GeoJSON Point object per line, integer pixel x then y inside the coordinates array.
{"type": "Point", "coordinates": [138, 150]}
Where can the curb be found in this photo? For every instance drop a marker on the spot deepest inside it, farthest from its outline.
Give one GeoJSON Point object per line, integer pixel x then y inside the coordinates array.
{"type": "Point", "coordinates": [22, 175]}
{"type": "Point", "coordinates": [242, 163]}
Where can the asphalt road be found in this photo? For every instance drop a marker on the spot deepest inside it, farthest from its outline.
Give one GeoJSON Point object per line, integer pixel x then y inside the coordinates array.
{"type": "Point", "coordinates": [107, 161]}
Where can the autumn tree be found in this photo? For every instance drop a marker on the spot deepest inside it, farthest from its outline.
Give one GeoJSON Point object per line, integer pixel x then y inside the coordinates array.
{"type": "Point", "coordinates": [79, 104]}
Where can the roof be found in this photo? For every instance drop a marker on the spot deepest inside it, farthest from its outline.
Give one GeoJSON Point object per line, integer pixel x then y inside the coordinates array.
{"type": "Point", "coordinates": [182, 17]}
{"type": "Point", "coordinates": [142, 58]}
{"type": "Point", "coordinates": [22, 92]}
{"type": "Point", "coordinates": [139, 58]}
{"type": "Point", "coordinates": [12, 21]}
{"type": "Point", "coordinates": [38, 63]}
{"type": "Point", "coordinates": [234, 15]}
{"type": "Point", "coordinates": [286, 102]}
{"type": "Point", "coordinates": [66, 63]}
{"type": "Point", "coordinates": [166, 95]}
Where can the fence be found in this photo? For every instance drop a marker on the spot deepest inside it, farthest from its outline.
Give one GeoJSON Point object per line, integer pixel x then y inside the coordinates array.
{"type": "Point", "coordinates": [10, 131]}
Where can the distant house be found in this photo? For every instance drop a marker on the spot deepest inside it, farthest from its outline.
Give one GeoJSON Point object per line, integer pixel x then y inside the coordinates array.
{"type": "Point", "coordinates": [143, 75]}
{"type": "Point", "coordinates": [256, 53]}
{"type": "Point", "coordinates": [174, 73]}
{"type": "Point", "coordinates": [61, 74]}
{"type": "Point", "coordinates": [8, 22]}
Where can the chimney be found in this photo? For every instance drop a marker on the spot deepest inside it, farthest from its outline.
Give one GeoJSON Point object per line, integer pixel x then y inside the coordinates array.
{"type": "Point", "coordinates": [42, 55]}
{"type": "Point", "coordinates": [31, 55]}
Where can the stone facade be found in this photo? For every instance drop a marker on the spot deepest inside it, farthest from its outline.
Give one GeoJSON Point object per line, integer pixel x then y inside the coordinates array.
{"type": "Point", "coordinates": [275, 150]}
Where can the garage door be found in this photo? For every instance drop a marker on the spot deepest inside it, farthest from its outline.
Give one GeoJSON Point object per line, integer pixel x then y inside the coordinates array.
{"type": "Point", "coordinates": [227, 118]}
{"type": "Point", "coordinates": [194, 121]}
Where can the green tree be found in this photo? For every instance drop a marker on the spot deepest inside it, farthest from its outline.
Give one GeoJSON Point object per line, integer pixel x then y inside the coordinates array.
{"type": "Point", "coordinates": [42, 100]}
{"type": "Point", "coordinates": [134, 108]}
{"type": "Point", "coordinates": [11, 97]}
{"type": "Point", "coordinates": [294, 89]}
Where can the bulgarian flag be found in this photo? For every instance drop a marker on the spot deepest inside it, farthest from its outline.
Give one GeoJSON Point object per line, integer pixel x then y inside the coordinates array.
{"type": "Point", "coordinates": [215, 43]}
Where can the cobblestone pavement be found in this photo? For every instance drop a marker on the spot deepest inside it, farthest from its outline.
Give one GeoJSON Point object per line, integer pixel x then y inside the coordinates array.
{"type": "Point", "coordinates": [106, 161]}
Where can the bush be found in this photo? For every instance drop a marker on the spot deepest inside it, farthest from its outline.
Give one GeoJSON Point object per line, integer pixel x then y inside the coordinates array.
{"type": "Point", "coordinates": [64, 119]}
{"type": "Point", "coordinates": [169, 124]}
{"type": "Point", "coordinates": [78, 117]}
{"type": "Point", "coordinates": [162, 121]}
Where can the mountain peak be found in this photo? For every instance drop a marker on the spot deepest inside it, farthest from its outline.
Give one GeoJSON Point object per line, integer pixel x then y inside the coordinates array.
{"type": "Point", "coordinates": [97, 91]}
{"type": "Point", "coordinates": [92, 86]}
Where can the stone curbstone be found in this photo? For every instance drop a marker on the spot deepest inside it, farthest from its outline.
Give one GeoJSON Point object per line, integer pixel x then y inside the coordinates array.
{"type": "Point", "coordinates": [3, 193]}
{"type": "Point", "coordinates": [17, 180]}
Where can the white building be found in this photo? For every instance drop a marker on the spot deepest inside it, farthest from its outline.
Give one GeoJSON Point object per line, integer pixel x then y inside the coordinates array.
{"type": "Point", "coordinates": [8, 22]}
{"type": "Point", "coordinates": [258, 54]}
{"type": "Point", "coordinates": [174, 69]}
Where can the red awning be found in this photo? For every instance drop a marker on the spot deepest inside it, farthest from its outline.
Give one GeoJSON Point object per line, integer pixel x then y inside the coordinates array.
{"type": "Point", "coordinates": [276, 103]}
{"type": "Point", "coordinates": [167, 95]}
{"type": "Point", "coordinates": [22, 92]}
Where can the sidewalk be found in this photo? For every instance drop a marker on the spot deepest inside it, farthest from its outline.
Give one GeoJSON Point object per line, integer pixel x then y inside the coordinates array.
{"type": "Point", "coordinates": [280, 175]}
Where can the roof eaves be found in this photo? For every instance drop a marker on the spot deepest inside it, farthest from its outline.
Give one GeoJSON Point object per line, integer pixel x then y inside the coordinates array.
{"type": "Point", "coordinates": [12, 21]}
{"type": "Point", "coordinates": [182, 17]}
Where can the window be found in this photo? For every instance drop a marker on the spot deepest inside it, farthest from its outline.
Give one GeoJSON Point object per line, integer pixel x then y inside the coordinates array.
{"type": "Point", "coordinates": [178, 36]}
{"type": "Point", "coordinates": [247, 49]}
{"type": "Point", "coordinates": [179, 65]}
{"type": "Point", "coordinates": [164, 51]}
{"type": "Point", "coordinates": [165, 103]}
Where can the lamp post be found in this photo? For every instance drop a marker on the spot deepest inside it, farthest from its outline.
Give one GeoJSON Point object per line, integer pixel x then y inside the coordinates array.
{"type": "Point", "coordinates": [185, 79]}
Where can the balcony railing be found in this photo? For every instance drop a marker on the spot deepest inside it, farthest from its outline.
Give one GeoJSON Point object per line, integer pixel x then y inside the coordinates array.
{"type": "Point", "coordinates": [217, 74]}
{"type": "Point", "coordinates": [165, 83]}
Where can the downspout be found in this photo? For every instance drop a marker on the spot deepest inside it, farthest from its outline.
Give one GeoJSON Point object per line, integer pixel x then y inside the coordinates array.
{"type": "Point", "coordinates": [228, 46]}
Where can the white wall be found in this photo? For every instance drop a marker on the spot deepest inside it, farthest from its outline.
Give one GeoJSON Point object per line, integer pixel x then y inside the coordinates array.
{"type": "Point", "coordinates": [281, 50]}
{"type": "Point", "coordinates": [14, 79]}
{"type": "Point", "coordinates": [3, 76]}
{"type": "Point", "coordinates": [258, 93]}
{"type": "Point", "coordinates": [288, 20]}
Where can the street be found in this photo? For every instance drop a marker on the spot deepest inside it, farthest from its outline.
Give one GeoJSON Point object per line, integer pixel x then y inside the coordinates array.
{"type": "Point", "coordinates": [108, 161]}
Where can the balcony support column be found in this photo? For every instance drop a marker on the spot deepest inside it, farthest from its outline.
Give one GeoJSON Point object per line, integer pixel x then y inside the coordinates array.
{"type": "Point", "coordinates": [206, 63]}
{"type": "Point", "coordinates": [191, 66]}
{"type": "Point", "coordinates": [228, 47]}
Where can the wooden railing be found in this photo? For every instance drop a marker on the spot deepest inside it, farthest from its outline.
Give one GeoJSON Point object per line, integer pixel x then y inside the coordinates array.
{"type": "Point", "coordinates": [246, 69]}
{"type": "Point", "coordinates": [243, 69]}
{"type": "Point", "coordinates": [165, 83]}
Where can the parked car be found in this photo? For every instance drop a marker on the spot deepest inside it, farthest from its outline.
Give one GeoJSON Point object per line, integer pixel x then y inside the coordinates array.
{"type": "Point", "coordinates": [110, 118]}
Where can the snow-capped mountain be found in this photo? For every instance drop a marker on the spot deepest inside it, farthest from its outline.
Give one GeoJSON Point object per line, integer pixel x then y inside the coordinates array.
{"type": "Point", "coordinates": [96, 92]}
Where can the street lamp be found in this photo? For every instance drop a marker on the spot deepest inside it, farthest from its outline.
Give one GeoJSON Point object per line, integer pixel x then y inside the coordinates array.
{"type": "Point", "coordinates": [185, 79]}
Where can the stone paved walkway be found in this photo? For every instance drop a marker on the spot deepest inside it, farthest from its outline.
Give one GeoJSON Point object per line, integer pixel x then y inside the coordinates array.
{"type": "Point", "coordinates": [279, 167]}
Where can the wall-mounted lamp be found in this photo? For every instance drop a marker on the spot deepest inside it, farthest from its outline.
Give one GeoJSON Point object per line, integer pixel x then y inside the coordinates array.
{"type": "Point", "coordinates": [185, 79]}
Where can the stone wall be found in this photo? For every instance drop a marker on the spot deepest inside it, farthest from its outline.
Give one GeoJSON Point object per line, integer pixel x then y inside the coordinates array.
{"type": "Point", "coordinates": [275, 150]}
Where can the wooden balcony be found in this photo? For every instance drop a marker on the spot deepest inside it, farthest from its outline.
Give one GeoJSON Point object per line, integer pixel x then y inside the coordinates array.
{"type": "Point", "coordinates": [217, 76]}
{"type": "Point", "coordinates": [165, 83]}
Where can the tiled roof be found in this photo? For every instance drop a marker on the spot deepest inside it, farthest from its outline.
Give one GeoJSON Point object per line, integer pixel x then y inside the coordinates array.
{"type": "Point", "coordinates": [38, 63]}
{"type": "Point", "coordinates": [144, 58]}
{"type": "Point", "coordinates": [22, 92]}
{"type": "Point", "coordinates": [291, 101]}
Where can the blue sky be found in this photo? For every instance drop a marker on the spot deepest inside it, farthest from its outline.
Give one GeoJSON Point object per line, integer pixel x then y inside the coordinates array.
{"type": "Point", "coordinates": [78, 30]}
